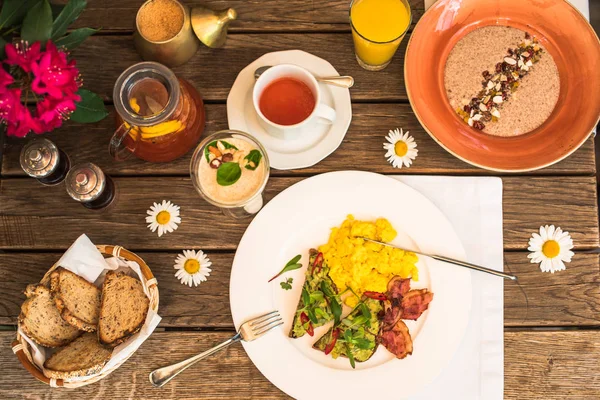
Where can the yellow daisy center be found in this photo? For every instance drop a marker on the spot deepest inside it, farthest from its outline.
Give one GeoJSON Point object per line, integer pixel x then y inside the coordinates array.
{"type": "Point", "coordinates": [551, 248]}
{"type": "Point", "coordinates": [401, 148]}
{"type": "Point", "coordinates": [163, 217]}
{"type": "Point", "coordinates": [191, 266]}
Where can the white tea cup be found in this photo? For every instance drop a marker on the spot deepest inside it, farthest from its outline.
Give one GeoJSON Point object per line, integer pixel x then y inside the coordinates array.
{"type": "Point", "coordinates": [321, 113]}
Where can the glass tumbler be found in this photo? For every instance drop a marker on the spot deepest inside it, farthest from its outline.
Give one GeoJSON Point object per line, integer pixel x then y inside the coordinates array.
{"type": "Point", "coordinates": [378, 27]}
{"type": "Point", "coordinates": [244, 197]}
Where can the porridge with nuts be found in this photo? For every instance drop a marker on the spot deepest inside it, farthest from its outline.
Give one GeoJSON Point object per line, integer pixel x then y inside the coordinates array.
{"type": "Point", "coordinates": [231, 171]}
{"type": "Point", "coordinates": [501, 81]}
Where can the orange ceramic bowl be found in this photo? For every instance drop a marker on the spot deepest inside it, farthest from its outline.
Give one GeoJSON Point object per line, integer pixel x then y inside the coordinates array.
{"type": "Point", "coordinates": [565, 34]}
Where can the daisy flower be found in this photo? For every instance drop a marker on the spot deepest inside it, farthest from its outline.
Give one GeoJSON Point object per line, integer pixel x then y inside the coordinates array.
{"type": "Point", "coordinates": [164, 217]}
{"type": "Point", "coordinates": [401, 148]}
{"type": "Point", "coordinates": [192, 267]}
{"type": "Point", "coordinates": [551, 248]}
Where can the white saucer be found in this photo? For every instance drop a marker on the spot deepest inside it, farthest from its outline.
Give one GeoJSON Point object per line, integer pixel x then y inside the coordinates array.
{"type": "Point", "coordinates": [313, 145]}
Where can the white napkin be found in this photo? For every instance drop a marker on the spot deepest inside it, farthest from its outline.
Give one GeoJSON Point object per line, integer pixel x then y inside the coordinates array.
{"type": "Point", "coordinates": [474, 207]}
{"type": "Point", "coordinates": [84, 259]}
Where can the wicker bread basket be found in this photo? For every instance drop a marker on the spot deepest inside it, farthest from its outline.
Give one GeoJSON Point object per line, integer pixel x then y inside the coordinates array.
{"type": "Point", "coordinates": [23, 350]}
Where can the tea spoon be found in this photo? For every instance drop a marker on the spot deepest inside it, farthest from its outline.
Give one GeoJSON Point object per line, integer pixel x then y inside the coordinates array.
{"type": "Point", "coordinates": [342, 81]}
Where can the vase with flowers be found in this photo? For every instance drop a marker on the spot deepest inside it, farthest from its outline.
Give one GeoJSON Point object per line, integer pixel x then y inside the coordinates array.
{"type": "Point", "coordinates": [40, 84]}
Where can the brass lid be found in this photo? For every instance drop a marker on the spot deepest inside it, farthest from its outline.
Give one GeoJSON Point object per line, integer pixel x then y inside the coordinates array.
{"type": "Point", "coordinates": [39, 158]}
{"type": "Point", "coordinates": [85, 182]}
{"type": "Point", "coordinates": [211, 26]}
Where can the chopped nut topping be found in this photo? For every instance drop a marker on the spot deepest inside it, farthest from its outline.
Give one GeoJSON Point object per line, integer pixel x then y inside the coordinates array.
{"type": "Point", "coordinates": [499, 87]}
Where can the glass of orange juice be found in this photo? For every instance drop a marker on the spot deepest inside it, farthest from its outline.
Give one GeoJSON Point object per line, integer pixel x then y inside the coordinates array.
{"type": "Point", "coordinates": [378, 27]}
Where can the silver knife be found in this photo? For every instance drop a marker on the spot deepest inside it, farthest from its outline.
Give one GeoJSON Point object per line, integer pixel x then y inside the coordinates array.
{"type": "Point", "coordinates": [449, 260]}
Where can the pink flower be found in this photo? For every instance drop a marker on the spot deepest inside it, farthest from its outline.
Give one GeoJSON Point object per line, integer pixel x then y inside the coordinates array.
{"type": "Point", "coordinates": [51, 113]}
{"type": "Point", "coordinates": [54, 75]}
{"type": "Point", "coordinates": [5, 79]}
{"type": "Point", "coordinates": [22, 54]}
{"type": "Point", "coordinates": [15, 115]}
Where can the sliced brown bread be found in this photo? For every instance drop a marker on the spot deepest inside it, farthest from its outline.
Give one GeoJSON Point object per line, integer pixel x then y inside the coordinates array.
{"type": "Point", "coordinates": [123, 308]}
{"type": "Point", "coordinates": [82, 357]}
{"type": "Point", "coordinates": [41, 321]}
{"type": "Point", "coordinates": [77, 300]}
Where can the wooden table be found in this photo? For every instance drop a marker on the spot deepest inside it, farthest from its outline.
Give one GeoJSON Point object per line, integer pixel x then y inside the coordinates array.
{"type": "Point", "coordinates": [552, 346]}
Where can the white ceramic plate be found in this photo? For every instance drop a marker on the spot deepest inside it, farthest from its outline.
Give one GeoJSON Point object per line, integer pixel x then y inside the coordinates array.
{"type": "Point", "coordinates": [314, 144]}
{"type": "Point", "coordinates": [301, 217]}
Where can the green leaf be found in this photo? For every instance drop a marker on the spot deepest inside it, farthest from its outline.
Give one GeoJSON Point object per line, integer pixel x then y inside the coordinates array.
{"type": "Point", "coordinates": [90, 108]}
{"type": "Point", "coordinates": [228, 173]}
{"type": "Point", "coordinates": [75, 38]}
{"type": "Point", "coordinates": [253, 157]}
{"type": "Point", "coordinates": [305, 296]}
{"type": "Point", "coordinates": [13, 11]}
{"type": "Point", "coordinates": [312, 316]}
{"type": "Point", "coordinates": [336, 310]}
{"type": "Point", "coordinates": [316, 297]}
{"type": "Point", "coordinates": [293, 263]}
{"type": "Point", "coordinates": [365, 311]}
{"type": "Point", "coordinates": [37, 25]}
{"type": "Point", "coordinates": [327, 289]}
{"type": "Point", "coordinates": [321, 314]}
{"type": "Point", "coordinates": [351, 358]}
{"type": "Point", "coordinates": [66, 17]}
{"type": "Point", "coordinates": [214, 144]}
{"type": "Point", "coordinates": [287, 285]}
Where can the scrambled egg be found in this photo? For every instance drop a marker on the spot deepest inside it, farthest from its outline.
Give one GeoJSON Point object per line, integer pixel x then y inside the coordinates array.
{"type": "Point", "coordinates": [364, 266]}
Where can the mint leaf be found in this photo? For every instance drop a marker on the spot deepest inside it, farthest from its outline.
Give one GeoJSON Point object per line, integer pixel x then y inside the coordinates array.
{"type": "Point", "coordinates": [253, 157]}
{"type": "Point", "coordinates": [228, 173]}
{"type": "Point", "coordinates": [214, 144]}
{"type": "Point", "coordinates": [67, 16]}
{"type": "Point", "coordinates": [37, 25]}
{"type": "Point", "coordinates": [90, 108]}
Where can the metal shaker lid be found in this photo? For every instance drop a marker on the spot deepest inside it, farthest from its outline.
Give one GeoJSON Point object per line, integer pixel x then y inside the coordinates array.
{"type": "Point", "coordinates": [85, 182]}
{"type": "Point", "coordinates": [39, 158]}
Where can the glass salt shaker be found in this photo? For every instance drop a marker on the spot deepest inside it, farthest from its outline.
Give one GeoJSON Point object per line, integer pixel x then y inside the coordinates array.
{"type": "Point", "coordinates": [89, 185]}
{"type": "Point", "coordinates": [42, 160]}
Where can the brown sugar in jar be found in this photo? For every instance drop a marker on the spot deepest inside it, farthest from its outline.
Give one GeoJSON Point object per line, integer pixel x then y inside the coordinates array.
{"type": "Point", "coordinates": [160, 20]}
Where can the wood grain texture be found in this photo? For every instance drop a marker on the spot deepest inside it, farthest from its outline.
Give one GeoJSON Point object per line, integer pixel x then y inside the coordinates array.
{"type": "Point", "coordinates": [538, 365]}
{"type": "Point", "coordinates": [255, 15]}
{"type": "Point", "coordinates": [213, 71]}
{"type": "Point", "coordinates": [576, 290]}
{"type": "Point", "coordinates": [361, 148]}
{"type": "Point", "coordinates": [569, 202]}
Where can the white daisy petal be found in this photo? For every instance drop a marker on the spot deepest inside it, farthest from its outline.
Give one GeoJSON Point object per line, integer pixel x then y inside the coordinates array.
{"type": "Point", "coordinates": [173, 217]}
{"type": "Point", "coordinates": [396, 160]}
{"type": "Point", "coordinates": [555, 261]}
{"type": "Point", "coordinates": [193, 278]}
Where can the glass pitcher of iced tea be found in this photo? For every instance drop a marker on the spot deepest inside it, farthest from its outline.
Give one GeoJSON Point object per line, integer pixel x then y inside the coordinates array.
{"type": "Point", "coordinates": [159, 116]}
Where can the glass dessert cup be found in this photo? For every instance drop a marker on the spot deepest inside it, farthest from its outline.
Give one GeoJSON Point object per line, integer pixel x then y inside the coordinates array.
{"type": "Point", "coordinates": [244, 204]}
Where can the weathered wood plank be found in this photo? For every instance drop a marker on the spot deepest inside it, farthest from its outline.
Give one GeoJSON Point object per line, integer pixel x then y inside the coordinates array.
{"type": "Point", "coordinates": [538, 365]}
{"type": "Point", "coordinates": [361, 148]}
{"type": "Point", "coordinates": [30, 214]}
{"type": "Point", "coordinates": [262, 15]}
{"type": "Point", "coordinates": [576, 290]}
{"type": "Point", "coordinates": [206, 69]}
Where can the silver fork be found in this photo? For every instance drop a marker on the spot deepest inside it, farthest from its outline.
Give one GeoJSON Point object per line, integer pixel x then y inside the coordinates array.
{"type": "Point", "coordinates": [249, 331]}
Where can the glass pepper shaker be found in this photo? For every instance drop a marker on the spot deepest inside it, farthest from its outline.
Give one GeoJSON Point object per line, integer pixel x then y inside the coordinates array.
{"type": "Point", "coordinates": [42, 160]}
{"type": "Point", "coordinates": [89, 185]}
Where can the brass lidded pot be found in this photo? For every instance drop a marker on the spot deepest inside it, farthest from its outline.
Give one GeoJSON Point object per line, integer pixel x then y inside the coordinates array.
{"type": "Point", "coordinates": [199, 24]}
{"type": "Point", "coordinates": [170, 52]}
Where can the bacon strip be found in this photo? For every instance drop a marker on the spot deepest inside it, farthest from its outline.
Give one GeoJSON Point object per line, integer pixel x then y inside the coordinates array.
{"type": "Point", "coordinates": [397, 340]}
{"type": "Point", "coordinates": [414, 303]}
